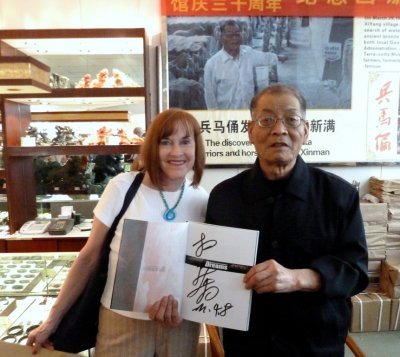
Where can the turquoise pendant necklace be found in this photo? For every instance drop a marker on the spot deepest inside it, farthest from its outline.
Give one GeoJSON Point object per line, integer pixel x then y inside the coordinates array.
{"type": "Point", "coordinates": [169, 214]}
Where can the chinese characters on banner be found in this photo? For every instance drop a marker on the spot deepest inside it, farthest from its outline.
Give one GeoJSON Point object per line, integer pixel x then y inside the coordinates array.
{"type": "Point", "coordinates": [280, 7]}
{"type": "Point", "coordinates": [383, 115]}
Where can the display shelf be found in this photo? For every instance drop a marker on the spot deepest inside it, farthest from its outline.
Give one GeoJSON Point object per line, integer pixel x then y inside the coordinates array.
{"type": "Point", "coordinates": [82, 93]}
{"type": "Point", "coordinates": [50, 244]}
{"type": "Point", "coordinates": [20, 243]}
{"type": "Point", "coordinates": [71, 55]}
{"type": "Point", "coordinates": [19, 151]}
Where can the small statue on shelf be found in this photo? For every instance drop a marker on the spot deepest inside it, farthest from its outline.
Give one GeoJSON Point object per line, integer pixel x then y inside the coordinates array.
{"type": "Point", "coordinates": [85, 81]}
{"type": "Point", "coordinates": [123, 137]}
{"type": "Point", "coordinates": [70, 137]}
{"type": "Point", "coordinates": [65, 136]}
{"type": "Point", "coordinates": [42, 139]}
{"type": "Point", "coordinates": [31, 131]}
{"type": "Point", "coordinates": [138, 135]}
{"type": "Point", "coordinates": [122, 80]}
{"type": "Point", "coordinates": [102, 135]}
{"type": "Point", "coordinates": [117, 79]}
{"type": "Point", "coordinates": [102, 79]}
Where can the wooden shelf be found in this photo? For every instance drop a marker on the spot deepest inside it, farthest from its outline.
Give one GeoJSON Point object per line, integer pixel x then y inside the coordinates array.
{"type": "Point", "coordinates": [83, 93]}
{"type": "Point", "coordinates": [81, 116]}
{"type": "Point", "coordinates": [126, 50]}
{"type": "Point", "coordinates": [72, 33]}
{"type": "Point", "coordinates": [56, 244]}
{"type": "Point", "coordinates": [18, 151]}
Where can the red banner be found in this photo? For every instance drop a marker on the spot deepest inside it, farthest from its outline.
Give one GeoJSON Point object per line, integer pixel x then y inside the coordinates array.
{"type": "Point", "coordinates": [315, 8]}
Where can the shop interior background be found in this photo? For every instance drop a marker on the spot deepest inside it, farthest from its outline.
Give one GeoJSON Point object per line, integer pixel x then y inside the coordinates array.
{"type": "Point", "coordinates": [18, 14]}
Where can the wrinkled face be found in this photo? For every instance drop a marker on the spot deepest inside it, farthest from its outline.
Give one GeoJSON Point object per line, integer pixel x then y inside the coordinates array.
{"type": "Point", "coordinates": [177, 156]}
{"type": "Point", "coordinates": [277, 145]}
{"type": "Point", "coordinates": [231, 39]}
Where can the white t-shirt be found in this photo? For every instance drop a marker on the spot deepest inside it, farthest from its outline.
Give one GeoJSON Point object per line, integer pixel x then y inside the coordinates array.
{"type": "Point", "coordinates": [147, 205]}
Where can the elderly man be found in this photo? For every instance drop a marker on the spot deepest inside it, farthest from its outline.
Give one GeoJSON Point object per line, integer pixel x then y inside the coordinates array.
{"type": "Point", "coordinates": [233, 74]}
{"type": "Point", "coordinates": [312, 254]}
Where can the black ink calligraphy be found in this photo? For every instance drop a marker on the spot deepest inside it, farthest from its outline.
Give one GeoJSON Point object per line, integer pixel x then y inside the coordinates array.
{"type": "Point", "coordinates": [206, 288]}
{"type": "Point", "coordinates": [203, 245]}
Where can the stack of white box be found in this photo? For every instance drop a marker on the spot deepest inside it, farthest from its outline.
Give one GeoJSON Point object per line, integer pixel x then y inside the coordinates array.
{"type": "Point", "coordinates": [393, 236]}
{"type": "Point", "coordinates": [388, 191]}
{"type": "Point", "coordinates": [375, 219]}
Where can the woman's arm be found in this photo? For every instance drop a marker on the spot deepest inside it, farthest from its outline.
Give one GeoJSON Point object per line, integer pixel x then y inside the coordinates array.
{"type": "Point", "coordinates": [72, 287]}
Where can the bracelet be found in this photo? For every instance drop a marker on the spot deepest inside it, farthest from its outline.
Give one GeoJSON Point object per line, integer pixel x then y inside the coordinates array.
{"type": "Point", "coordinates": [17, 287]}
{"type": "Point", "coordinates": [10, 339]}
{"type": "Point", "coordinates": [15, 330]}
{"type": "Point", "coordinates": [30, 328]}
{"type": "Point", "coordinates": [23, 338]}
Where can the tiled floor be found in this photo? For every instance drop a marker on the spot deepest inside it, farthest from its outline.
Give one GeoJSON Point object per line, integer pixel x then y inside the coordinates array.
{"type": "Point", "coordinates": [377, 344]}
{"type": "Point", "coordinates": [373, 344]}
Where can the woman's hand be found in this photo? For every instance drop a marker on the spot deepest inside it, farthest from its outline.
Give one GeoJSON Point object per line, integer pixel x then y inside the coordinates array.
{"type": "Point", "coordinates": [166, 312]}
{"type": "Point", "coordinates": [39, 337]}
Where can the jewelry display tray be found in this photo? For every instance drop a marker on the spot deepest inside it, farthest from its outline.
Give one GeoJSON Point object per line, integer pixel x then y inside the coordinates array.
{"type": "Point", "coordinates": [29, 284]}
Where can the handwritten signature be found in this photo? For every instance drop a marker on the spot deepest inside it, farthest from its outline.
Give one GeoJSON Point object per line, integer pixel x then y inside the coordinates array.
{"type": "Point", "coordinates": [203, 245]}
{"type": "Point", "coordinates": [205, 285]}
{"type": "Point", "coordinates": [219, 310]}
{"type": "Point", "coordinates": [204, 288]}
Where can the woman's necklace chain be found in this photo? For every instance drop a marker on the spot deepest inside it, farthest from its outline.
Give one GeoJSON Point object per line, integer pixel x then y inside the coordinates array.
{"type": "Point", "coordinates": [169, 214]}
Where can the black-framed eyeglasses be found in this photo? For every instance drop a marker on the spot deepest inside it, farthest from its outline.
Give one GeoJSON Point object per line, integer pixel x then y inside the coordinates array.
{"type": "Point", "coordinates": [290, 121]}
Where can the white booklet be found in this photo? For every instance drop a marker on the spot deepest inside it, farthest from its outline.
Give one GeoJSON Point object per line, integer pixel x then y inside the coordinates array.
{"type": "Point", "coordinates": [201, 265]}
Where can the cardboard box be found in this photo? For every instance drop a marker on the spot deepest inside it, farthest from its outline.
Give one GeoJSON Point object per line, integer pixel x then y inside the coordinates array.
{"type": "Point", "coordinates": [374, 266]}
{"type": "Point", "coordinates": [385, 282]}
{"type": "Point", "coordinates": [392, 291]}
{"type": "Point", "coordinates": [375, 227]}
{"type": "Point", "coordinates": [393, 271]}
{"type": "Point", "coordinates": [375, 214]}
{"type": "Point", "coordinates": [392, 241]}
{"type": "Point", "coordinates": [371, 312]}
{"type": "Point", "coordinates": [376, 240]}
{"type": "Point", "coordinates": [376, 254]}
{"type": "Point", "coordinates": [395, 315]}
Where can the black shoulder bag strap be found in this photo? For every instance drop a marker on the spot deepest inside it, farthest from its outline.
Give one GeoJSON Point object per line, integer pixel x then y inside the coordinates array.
{"type": "Point", "coordinates": [130, 194]}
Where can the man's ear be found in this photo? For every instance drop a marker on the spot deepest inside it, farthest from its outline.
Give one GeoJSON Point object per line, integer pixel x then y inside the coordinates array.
{"type": "Point", "coordinates": [250, 128]}
{"type": "Point", "coordinates": [306, 131]}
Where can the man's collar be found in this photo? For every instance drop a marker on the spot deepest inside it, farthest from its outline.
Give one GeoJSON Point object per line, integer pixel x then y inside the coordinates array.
{"type": "Point", "coordinates": [228, 57]}
{"type": "Point", "coordinates": [297, 184]}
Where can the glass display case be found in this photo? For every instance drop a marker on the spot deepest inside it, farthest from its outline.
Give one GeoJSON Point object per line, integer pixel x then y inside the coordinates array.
{"type": "Point", "coordinates": [29, 284]}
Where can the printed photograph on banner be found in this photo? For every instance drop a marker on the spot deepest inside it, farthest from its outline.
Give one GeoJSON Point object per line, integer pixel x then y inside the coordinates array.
{"type": "Point", "coordinates": [221, 62]}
